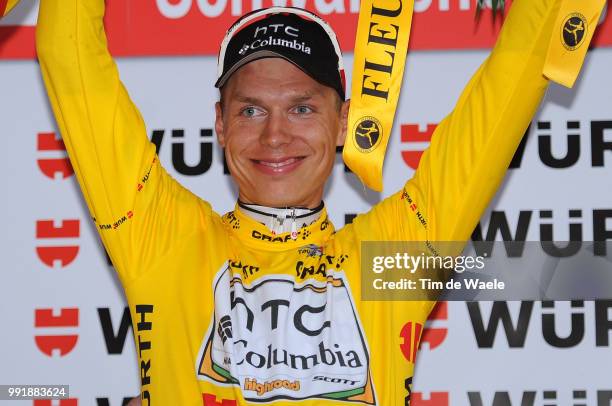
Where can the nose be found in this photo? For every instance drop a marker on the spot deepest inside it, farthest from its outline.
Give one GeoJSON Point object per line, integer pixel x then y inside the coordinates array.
{"type": "Point", "coordinates": [276, 132]}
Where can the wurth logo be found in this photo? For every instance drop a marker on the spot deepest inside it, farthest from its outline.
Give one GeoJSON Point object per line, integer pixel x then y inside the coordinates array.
{"type": "Point", "coordinates": [574, 145]}
{"type": "Point", "coordinates": [115, 342]}
{"type": "Point", "coordinates": [570, 148]}
{"type": "Point", "coordinates": [106, 401]}
{"type": "Point", "coordinates": [62, 402]}
{"type": "Point", "coordinates": [45, 321]}
{"type": "Point", "coordinates": [53, 160]}
{"type": "Point", "coordinates": [417, 141]}
{"type": "Point", "coordinates": [52, 232]}
{"type": "Point", "coordinates": [179, 162]}
{"type": "Point", "coordinates": [411, 333]}
{"type": "Point", "coordinates": [430, 399]}
{"type": "Point", "coordinates": [435, 336]}
{"type": "Point", "coordinates": [575, 397]}
{"type": "Point", "coordinates": [211, 400]}
{"type": "Point", "coordinates": [515, 329]}
{"type": "Point", "coordinates": [524, 229]}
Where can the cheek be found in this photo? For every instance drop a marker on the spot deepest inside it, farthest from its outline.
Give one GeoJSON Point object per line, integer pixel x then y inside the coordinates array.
{"type": "Point", "coordinates": [321, 131]}
{"type": "Point", "coordinates": [326, 138]}
{"type": "Point", "coordinates": [325, 155]}
{"type": "Point", "coordinates": [239, 140]}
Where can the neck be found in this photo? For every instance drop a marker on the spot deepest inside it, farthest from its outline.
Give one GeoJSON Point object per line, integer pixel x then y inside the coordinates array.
{"type": "Point", "coordinates": [282, 219]}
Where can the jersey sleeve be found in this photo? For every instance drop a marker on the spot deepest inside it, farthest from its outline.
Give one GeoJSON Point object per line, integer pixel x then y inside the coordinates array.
{"type": "Point", "coordinates": [472, 147]}
{"type": "Point", "coordinates": [133, 201]}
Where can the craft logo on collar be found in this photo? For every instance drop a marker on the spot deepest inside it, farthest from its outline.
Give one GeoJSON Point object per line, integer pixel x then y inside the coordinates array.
{"type": "Point", "coordinates": [573, 31]}
{"type": "Point", "coordinates": [280, 238]}
{"type": "Point", "coordinates": [367, 134]}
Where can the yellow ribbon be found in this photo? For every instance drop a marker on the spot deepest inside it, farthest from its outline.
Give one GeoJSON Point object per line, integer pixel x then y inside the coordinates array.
{"type": "Point", "coordinates": [6, 6]}
{"type": "Point", "coordinates": [575, 25]}
{"type": "Point", "coordinates": [381, 46]}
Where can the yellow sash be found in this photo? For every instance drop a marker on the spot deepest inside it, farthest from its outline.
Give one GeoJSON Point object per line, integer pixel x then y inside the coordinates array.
{"type": "Point", "coordinates": [6, 6]}
{"type": "Point", "coordinates": [576, 23]}
{"type": "Point", "coordinates": [380, 55]}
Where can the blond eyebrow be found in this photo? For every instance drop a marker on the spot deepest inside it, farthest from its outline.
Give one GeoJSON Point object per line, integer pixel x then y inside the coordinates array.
{"type": "Point", "coordinates": [303, 98]}
{"type": "Point", "coordinates": [294, 99]}
{"type": "Point", "coordinates": [248, 99]}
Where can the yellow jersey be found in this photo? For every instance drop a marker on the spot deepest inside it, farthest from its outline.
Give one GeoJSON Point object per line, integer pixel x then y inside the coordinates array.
{"type": "Point", "coordinates": [226, 313]}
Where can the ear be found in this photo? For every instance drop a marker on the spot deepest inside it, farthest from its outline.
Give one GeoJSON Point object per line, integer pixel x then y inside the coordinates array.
{"type": "Point", "coordinates": [343, 123]}
{"type": "Point", "coordinates": [219, 129]}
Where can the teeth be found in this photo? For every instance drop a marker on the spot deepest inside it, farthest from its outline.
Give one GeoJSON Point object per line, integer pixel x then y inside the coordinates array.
{"type": "Point", "coordinates": [278, 164]}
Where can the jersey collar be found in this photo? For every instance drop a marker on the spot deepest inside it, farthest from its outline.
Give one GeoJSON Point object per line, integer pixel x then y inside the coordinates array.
{"type": "Point", "coordinates": [255, 234]}
{"type": "Point", "coordinates": [282, 220]}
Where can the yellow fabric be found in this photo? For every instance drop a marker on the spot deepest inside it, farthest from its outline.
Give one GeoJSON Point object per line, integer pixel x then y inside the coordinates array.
{"type": "Point", "coordinates": [6, 6]}
{"type": "Point", "coordinates": [381, 45]}
{"type": "Point", "coordinates": [576, 22]}
{"type": "Point", "coordinates": [194, 279]}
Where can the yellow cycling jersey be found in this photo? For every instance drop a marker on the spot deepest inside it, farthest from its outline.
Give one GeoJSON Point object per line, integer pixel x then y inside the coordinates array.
{"type": "Point", "coordinates": [226, 313]}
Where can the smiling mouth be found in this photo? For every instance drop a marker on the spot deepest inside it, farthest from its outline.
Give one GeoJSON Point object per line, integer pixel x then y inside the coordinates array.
{"type": "Point", "coordinates": [278, 166]}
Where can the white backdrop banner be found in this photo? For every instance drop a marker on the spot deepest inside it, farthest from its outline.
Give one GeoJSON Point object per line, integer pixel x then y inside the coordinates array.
{"type": "Point", "coordinates": [62, 311]}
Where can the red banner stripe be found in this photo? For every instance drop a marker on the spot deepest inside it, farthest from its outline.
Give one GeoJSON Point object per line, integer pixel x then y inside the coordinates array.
{"type": "Point", "coordinates": [141, 29]}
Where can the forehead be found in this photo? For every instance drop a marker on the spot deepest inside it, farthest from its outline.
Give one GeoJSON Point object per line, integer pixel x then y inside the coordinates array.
{"type": "Point", "coordinates": [273, 77]}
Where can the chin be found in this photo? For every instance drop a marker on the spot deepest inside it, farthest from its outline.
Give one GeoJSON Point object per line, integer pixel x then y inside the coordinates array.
{"type": "Point", "coordinates": [282, 197]}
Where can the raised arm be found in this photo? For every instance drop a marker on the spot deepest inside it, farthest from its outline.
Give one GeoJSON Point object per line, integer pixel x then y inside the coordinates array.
{"type": "Point", "coordinates": [472, 147]}
{"type": "Point", "coordinates": [105, 136]}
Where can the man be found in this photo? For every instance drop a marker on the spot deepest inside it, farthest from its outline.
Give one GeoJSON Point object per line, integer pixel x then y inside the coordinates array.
{"type": "Point", "coordinates": [264, 303]}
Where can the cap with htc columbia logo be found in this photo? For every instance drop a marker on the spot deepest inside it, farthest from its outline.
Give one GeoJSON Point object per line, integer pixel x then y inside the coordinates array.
{"type": "Point", "coordinates": [293, 34]}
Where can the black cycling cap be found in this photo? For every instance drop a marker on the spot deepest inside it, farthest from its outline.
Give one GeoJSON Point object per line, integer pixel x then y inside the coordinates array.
{"type": "Point", "coordinates": [293, 34]}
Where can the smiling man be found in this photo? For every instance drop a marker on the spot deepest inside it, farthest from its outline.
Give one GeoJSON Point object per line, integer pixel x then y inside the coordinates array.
{"type": "Point", "coordinates": [264, 303]}
{"type": "Point", "coordinates": [282, 110]}
{"type": "Point", "coordinates": [276, 140]}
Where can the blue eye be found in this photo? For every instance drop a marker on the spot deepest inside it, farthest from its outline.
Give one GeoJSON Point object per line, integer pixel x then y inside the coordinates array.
{"type": "Point", "coordinates": [249, 111]}
{"type": "Point", "coordinates": [303, 109]}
